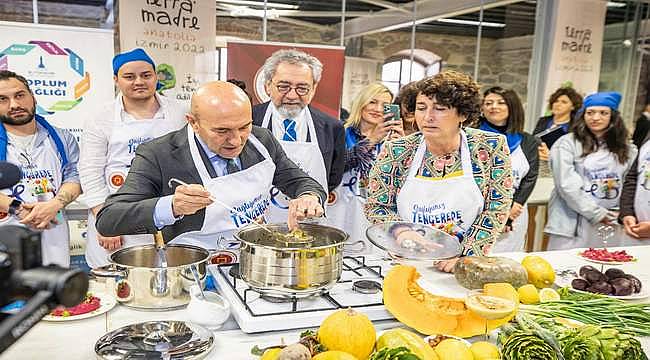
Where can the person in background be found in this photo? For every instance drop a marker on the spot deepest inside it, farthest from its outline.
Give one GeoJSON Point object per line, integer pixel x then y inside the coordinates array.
{"type": "Point", "coordinates": [452, 178]}
{"type": "Point", "coordinates": [110, 138]}
{"type": "Point", "coordinates": [242, 85]}
{"type": "Point", "coordinates": [641, 127]}
{"type": "Point", "coordinates": [312, 139]}
{"type": "Point", "coordinates": [406, 100]}
{"type": "Point", "coordinates": [588, 166]}
{"type": "Point", "coordinates": [365, 132]}
{"type": "Point", "coordinates": [47, 157]}
{"type": "Point", "coordinates": [635, 197]}
{"type": "Point", "coordinates": [563, 103]}
{"type": "Point", "coordinates": [504, 114]}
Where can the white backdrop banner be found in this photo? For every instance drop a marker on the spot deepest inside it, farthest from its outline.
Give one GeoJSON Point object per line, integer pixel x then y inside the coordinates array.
{"type": "Point", "coordinates": [577, 45]}
{"type": "Point", "coordinates": [179, 36]}
{"type": "Point", "coordinates": [68, 77]}
{"type": "Point", "coordinates": [358, 73]}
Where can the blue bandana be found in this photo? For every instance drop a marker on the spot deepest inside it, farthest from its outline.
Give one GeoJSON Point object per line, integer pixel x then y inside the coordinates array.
{"type": "Point", "coordinates": [50, 130]}
{"type": "Point", "coordinates": [610, 99]}
{"type": "Point", "coordinates": [514, 139]}
{"type": "Point", "coordinates": [133, 55]}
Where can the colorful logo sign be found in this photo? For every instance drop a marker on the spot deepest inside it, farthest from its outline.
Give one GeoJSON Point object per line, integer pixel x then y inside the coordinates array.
{"type": "Point", "coordinates": [56, 75]}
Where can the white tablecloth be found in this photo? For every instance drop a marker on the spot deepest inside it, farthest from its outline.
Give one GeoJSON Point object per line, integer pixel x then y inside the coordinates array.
{"type": "Point", "coordinates": [76, 339]}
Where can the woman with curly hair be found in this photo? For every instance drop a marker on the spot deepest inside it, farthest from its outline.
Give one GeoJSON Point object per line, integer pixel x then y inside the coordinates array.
{"type": "Point", "coordinates": [588, 166]}
{"type": "Point", "coordinates": [445, 176]}
{"type": "Point", "coordinates": [564, 103]}
{"type": "Point", "coordinates": [365, 132]}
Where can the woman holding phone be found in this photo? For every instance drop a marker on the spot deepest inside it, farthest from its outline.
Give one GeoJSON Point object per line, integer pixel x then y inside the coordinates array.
{"type": "Point", "coordinates": [367, 128]}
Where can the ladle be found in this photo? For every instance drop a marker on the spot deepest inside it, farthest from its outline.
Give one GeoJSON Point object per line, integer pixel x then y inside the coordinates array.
{"type": "Point", "coordinates": [195, 273]}
{"type": "Point", "coordinates": [180, 182]}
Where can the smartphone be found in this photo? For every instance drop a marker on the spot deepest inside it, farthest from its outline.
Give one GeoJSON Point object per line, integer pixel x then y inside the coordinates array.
{"type": "Point", "coordinates": [392, 109]}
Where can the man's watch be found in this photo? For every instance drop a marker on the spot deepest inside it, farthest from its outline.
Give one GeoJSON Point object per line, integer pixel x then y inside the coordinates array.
{"type": "Point", "coordinates": [14, 206]}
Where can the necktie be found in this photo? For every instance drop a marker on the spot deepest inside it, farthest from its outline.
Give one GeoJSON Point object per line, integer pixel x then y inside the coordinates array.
{"type": "Point", "coordinates": [231, 166]}
{"type": "Point", "coordinates": [289, 130]}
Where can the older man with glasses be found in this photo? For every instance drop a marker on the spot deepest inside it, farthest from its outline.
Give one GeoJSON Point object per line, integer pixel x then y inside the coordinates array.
{"type": "Point", "coordinates": [314, 140]}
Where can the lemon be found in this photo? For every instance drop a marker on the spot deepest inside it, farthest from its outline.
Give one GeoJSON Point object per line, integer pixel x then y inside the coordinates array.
{"type": "Point", "coordinates": [540, 272]}
{"type": "Point", "coordinates": [548, 294]}
{"type": "Point", "coordinates": [528, 294]}
{"type": "Point", "coordinates": [483, 350]}
{"type": "Point", "coordinates": [271, 354]}
{"type": "Point", "coordinates": [453, 349]}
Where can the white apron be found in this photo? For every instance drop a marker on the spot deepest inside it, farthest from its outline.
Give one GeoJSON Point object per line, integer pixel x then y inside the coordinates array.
{"type": "Point", "coordinates": [455, 199]}
{"type": "Point", "coordinates": [306, 155]}
{"type": "Point", "coordinates": [41, 179]}
{"type": "Point", "coordinates": [515, 239]}
{"type": "Point", "coordinates": [124, 140]}
{"type": "Point", "coordinates": [246, 191]}
{"type": "Point", "coordinates": [642, 194]}
{"type": "Point", "coordinates": [345, 210]}
{"type": "Point", "coordinates": [602, 177]}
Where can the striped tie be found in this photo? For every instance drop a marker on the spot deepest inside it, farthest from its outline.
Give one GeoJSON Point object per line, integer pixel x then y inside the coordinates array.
{"type": "Point", "coordinates": [289, 130]}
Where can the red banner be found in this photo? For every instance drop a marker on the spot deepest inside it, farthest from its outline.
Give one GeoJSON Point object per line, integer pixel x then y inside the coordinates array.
{"type": "Point", "coordinates": [245, 60]}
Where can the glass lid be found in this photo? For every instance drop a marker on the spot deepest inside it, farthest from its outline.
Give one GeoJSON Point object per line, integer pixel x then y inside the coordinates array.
{"type": "Point", "coordinates": [414, 241]}
{"type": "Point", "coordinates": [156, 340]}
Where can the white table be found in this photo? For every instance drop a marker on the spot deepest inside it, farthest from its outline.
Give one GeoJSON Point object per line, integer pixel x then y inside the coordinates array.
{"type": "Point", "coordinates": [76, 339]}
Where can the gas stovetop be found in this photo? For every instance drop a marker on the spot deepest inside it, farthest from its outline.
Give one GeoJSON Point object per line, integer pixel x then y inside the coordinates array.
{"type": "Point", "coordinates": [359, 288]}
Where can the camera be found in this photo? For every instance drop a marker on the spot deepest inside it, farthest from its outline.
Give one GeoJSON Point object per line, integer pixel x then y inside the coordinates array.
{"type": "Point", "coordinates": [24, 278]}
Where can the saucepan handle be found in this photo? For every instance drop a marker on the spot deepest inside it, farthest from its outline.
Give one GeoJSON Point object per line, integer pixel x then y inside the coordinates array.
{"type": "Point", "coordinates": [353, 247]}
{"type": "Point", "coordinates": [110, 271]}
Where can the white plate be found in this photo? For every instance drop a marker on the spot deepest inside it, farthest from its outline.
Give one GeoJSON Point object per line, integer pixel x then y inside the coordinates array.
{"type": "Point", "coordinates": [106, 303]}
{"type": "Point", "coordinates": [634, 260]}
{"type": "Point", "coordinates": [562, 281]}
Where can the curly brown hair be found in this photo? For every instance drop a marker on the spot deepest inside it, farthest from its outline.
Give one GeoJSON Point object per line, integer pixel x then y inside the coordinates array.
{"type": "Point", "coordinates": [455, 90]}
{"type": "Point", "coordinates": [572, 94]}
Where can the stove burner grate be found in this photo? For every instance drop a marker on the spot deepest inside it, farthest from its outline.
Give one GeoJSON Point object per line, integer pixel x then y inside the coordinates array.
{"type": "Point", "coordinates": [358, 264]}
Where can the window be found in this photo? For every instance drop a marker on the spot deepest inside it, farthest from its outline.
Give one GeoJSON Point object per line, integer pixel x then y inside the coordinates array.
{"type": "Point", "coordinates": [221, 63]}
{"type": "Point", "coordinates": [395, 71]}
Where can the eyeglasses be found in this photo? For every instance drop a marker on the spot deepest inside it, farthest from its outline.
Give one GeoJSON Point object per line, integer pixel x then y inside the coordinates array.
{"type": "Point", "coordinates": [301, 90]}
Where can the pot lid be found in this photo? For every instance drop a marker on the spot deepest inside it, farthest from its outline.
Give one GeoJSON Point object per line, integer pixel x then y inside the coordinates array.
{"type": "Point", "coordinates": [414, 241]}
{"type": "Point", "coordinates": [156, 340]}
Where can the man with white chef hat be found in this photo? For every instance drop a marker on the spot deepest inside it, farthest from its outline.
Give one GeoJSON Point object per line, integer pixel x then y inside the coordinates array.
{"type": "Point", "coordinates": [110, 138]}
{"type": "Point", "coordinates": [223, 157]}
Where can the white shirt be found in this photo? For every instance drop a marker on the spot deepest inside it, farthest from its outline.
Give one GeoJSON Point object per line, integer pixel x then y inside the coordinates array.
{"type": "Point", "coordinates": [94, 144]}
{"type": "Point", "coordinates": [301, 126]}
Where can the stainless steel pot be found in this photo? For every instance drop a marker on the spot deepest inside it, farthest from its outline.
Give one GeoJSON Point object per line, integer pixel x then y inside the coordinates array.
{"type": "Point", "coordinates": [285, 267]}
{"type": "Point", "coordinates": [141, 283]}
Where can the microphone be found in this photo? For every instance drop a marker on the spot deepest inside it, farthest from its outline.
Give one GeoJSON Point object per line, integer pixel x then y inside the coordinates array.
{"type": "Point", "coordinates": [9, 175]}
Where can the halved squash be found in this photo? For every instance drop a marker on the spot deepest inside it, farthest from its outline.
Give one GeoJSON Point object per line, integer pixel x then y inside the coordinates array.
{"type": "Point", "coordinates": [431, 314]}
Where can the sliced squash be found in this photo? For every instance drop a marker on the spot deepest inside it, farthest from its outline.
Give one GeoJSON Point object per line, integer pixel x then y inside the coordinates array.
{"type": "Point", "coordinates": [431, 314]}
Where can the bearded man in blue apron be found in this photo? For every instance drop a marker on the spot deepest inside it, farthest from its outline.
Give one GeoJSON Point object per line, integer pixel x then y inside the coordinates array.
{"type": "Point", "coordinates": [312, 139]}
{"type": "Point", "coordinates": [111, 137]}
{"type": "Point", "coordinates": [47, 157]}
{"type": "Point", "coordinates": [221, 154]}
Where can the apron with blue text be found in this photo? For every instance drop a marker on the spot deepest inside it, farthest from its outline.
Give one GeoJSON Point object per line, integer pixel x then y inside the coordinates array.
{"type": "Point", "coordinates": [246, 192]}
{"type": "Point", "coordinates": [455, 198]}
{"type": "Point", "coordinates": [306, 155]}
{"type": "Point", "coordinates": [125, 138]}
{"type": "Point", "coordinates": [515, 239]}
{"type": "Point", "coordinates": [41, 179]}
{"type": "Point", "coordinates": [642, 195]}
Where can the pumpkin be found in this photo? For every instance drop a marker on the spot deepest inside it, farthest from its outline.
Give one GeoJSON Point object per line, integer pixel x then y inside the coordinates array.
{"type": "Point", "coordinates": [431, 314]}
{"type": "Point", "coordinates": [349, 331]}
{"type": "Point", "coordinates": [401, 337]}
{"type": "Point", "coordinates": [473, 272]}
{"type": "Point", "coordinates": [334, 355]}
{"type": "Point", "coordinates": [540, 272]}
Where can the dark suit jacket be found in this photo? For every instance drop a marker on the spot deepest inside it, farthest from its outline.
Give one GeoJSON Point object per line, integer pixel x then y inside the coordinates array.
{"type": "Point", "coordinates": [130, 209]}
{"type": "Point", "coordinates": [331, 141]}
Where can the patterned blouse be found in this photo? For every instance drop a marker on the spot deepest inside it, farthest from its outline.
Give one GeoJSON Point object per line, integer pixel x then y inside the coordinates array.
{"type": "Point", "coordinates": [491, 169]}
